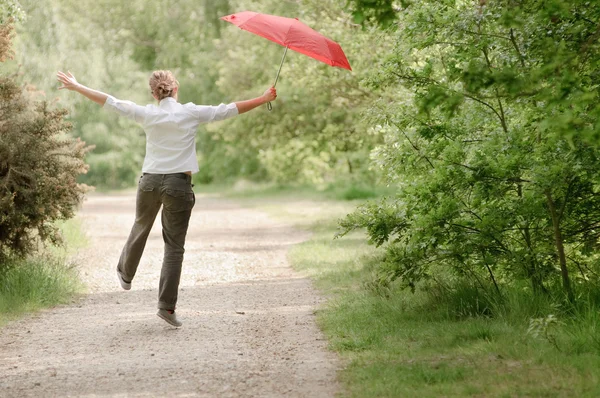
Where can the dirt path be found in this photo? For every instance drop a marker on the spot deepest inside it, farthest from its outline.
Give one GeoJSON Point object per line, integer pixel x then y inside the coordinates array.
{"type": "Point", "coordinates": [248, 330]}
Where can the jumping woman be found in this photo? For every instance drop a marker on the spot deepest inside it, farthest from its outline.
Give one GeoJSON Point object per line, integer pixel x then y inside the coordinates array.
{"type": "Point", "coordinates": [166, 179]}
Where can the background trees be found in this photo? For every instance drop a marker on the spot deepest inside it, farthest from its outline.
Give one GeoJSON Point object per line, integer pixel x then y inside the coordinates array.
{"type": "Point", "coordinates": [115, 45]}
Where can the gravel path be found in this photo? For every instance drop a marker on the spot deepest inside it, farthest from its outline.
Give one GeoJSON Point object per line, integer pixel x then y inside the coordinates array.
{"type": "Point", "coordinates": [248, 330]}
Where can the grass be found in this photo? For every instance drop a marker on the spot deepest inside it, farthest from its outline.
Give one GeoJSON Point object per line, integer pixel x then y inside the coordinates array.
{"type": "Point", "coordinates": [340, 191]}
{"type": "Point", "coordinates": [41, 280]}
{"type": "Point", "coordinates": [398, 344]}
{"type": "Point", "coordinates": [73, 237]}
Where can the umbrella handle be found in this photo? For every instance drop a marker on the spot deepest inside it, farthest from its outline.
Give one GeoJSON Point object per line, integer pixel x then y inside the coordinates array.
{"type": "Point", "coordinates": [269, 106]}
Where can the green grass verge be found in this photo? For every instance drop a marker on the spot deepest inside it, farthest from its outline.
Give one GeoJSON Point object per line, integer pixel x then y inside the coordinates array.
{"type": "Point", "coordinates": [41, 280]}
{"type": "Point", "coordinates": [35, 283]}
{"type": "Point", "coordinates": [341, 191]}
{"type": "Point", "coordinates": [395, 343]}
{"type": "Point", "coordinates": [73, 237]}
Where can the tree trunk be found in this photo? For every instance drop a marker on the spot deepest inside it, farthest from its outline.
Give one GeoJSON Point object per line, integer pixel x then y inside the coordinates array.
{"type": "Point", "coordinates": [560, 248]}
{"type": "Point", "coordinates": [532, 271]}
{"type": "Point", "coordinates": [492, 277]}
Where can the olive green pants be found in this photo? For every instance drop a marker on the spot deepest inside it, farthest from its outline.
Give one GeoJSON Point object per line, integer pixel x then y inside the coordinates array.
{"type": "Point", "coordinates": [174, 193]}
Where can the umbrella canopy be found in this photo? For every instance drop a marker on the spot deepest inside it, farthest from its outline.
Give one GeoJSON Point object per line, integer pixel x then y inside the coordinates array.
{"type": "Point", "coordinates": [292, 34]}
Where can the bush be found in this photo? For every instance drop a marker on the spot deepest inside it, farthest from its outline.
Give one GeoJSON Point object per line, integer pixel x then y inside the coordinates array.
{"type": "Point", "coordinates": [6, 33]}
{"type": "Point", "coordinates": [343, 190]}
{"type": "Point", "coordinates": [112, 170]}
{"type": "Point", "coordinates": [39, 164]}
{"type": "Point", "coordinates": [492, 144]}
{"type": "Point", "coordinates": [221, 161]}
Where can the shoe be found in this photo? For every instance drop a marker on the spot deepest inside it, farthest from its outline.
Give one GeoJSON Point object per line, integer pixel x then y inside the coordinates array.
{"type": "Point", "coordinates": [171, 319]}
{"type": "Point", "coordinates": [124, 285]}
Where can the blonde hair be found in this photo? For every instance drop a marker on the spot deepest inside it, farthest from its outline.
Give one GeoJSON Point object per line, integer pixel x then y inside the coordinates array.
{"type": "Point", "coordinates": [162, 83]}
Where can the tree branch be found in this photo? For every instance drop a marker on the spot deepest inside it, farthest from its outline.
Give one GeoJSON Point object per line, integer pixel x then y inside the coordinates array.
{"type": "Point", "coordinates": [513, 40]}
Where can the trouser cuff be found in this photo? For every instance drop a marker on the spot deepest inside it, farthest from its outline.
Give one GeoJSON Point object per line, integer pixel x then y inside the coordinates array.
{"type": "Point", "coordinates": [165, 306]}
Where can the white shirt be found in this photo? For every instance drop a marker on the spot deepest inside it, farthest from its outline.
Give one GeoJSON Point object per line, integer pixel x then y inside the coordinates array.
{"type": "Point", "coordinates": [170, 130]}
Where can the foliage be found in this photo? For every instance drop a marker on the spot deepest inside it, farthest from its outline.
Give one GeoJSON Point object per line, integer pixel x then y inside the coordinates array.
{"type": "Point", "coordinates": [11, 10]}
{"type": "Point", "coordinates": [6, 33]}
{"type": "Point", "coordinates": [315, 127]}
{"type": "Point", "coordinates": [221, 161]}
{"type": "Point", "coordinates": [315, 133]}
{"type": "Point", "coordinates": [39, 164]}
{"type": "Point", "coordinates": [116, 55]}
{"type": "Point", "coordinates": [381, 12]}
{"type": "Point", "coordinates": [490, 144]}
{"type": "Point", "coordinates": [451, 340]}
{"type": "Point", "coordinates": [72, 43]}
{"type": "Point", "coordinates": [542, 327]}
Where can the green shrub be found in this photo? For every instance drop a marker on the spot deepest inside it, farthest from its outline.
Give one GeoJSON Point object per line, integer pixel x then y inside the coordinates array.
{"type": "Point", "coordinates": [39, 164]}
{"type": "Point", "coordinates": [348, 190]}
{"type": "Point", "coordinates": [491, 139]}
{"type": "Point", "coordinates": [6, 32]}
{"type": "Point", "coordinates": [222, 161]}
{"type": "Point", "coordinates": [112, 170]}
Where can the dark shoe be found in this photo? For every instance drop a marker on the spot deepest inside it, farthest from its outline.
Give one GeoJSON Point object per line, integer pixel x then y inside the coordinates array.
{"type": "Point", "coordinates": [171, 319]}
{"type": "Point", "coordinates": [124, 285]}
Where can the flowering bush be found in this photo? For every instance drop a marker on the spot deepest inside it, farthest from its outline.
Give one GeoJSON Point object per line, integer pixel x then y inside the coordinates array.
{"type": "Point", "coordinates": [39, 164]}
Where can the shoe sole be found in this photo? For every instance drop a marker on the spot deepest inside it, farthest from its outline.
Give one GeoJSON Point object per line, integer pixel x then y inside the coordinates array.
{"type": "Point", "coordinates": [170, 322]}
{"type": "Point", "coordinates": [124, 286]}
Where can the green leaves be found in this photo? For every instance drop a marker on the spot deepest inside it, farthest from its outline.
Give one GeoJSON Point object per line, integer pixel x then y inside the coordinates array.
{"type": "Point", "coordinates": [501, 117]}
{"type": "Point", "coordinates": [381, 220]}
{"type": "Point", "coordinates": [11, 9]}
{"type": "Point", "coordinates": [379, 11]}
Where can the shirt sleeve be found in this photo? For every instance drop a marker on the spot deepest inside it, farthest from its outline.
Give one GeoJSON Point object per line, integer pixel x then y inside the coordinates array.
{"type": "Point", "coordinates": [210, 113]}
{"type": "Point", "coordinates": [126, 108]}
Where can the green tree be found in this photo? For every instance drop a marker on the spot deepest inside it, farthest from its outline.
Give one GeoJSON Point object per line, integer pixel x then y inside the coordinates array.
{"type": "Point", "coordinates": [116, 55]}
{"type": "Point", "coordinates": [491, 144]}
{"type": "Point", "coordinates": [315, 132]}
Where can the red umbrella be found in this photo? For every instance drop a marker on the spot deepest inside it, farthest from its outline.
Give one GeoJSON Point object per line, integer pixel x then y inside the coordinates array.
{"type": "Point", "coordinates": [293, 34]}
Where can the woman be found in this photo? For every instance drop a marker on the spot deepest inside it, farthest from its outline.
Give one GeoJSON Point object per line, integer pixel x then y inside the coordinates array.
{"type": "Point", "coordinates": [166, 179]}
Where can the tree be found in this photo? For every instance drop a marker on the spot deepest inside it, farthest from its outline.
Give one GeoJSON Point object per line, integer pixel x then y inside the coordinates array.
{"type": "Point", "coordinates": [492, 148]}
{"type": "Point", "coordinates": [315, 133]}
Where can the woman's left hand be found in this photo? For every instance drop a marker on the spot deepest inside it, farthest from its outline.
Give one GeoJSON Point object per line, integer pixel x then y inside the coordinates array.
{"type": "Point", "coordinates": [270, 94]}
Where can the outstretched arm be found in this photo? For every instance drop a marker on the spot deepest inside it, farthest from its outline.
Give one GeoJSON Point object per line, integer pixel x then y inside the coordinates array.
{"type": "Point", "coordinates": [207, 113]}
{"type": "Point", "coordinates": [244, 106]}
{"type": "Point", "coordinates": [123, 108]}
{"type": "Point", "coordinates": [70, 83]}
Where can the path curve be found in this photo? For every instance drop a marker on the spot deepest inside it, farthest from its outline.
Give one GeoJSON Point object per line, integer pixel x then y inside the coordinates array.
{"type": "Point", "coordinates": [249, 328]}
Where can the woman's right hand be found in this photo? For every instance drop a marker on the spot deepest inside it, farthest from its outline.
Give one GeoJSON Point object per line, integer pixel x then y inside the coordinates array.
{"type": "Point", "coordinates": [270, 94]}
{"type": "Point", "coordinates": [68, 80]}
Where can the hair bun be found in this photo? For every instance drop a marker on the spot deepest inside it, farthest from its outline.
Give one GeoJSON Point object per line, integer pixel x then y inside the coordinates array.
{"type": "Point", "coordinates": [162, 84]}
